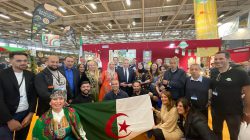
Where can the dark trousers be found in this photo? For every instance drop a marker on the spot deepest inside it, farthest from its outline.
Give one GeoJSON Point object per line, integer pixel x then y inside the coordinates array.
{"type": "Point", "coordinates": [158, 134]}
{"type": "Point", "coordinates": [233, 122]}
{"type": "Point", "coordinates": [6, 134]}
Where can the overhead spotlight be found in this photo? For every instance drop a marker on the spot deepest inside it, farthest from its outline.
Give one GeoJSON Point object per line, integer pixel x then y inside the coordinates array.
{"type": "Point", "coordinates": [128, 2]}
{"type": "Point", "coordinates": [27, 13]}
{"type": "Point", "coordinates": [4, 16]}
{"type": "Point", "coordinates": [160, 21]}
{"type": "Point", "coordinates": [62, 28]}
{"type": "Point", "coordinates": [93, 6]}
{"type": "Point", "coordinates": [62, 9]}
{"type": "Point", "coordinates": [189, 18]}
{"type": "Point", "coordinates": [133, 23]}
{"type": "Point", "coordinates": [221, 16]}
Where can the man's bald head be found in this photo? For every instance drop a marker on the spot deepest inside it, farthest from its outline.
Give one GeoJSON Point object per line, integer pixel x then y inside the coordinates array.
{"type": "Point", "coordinates": [53, 62]}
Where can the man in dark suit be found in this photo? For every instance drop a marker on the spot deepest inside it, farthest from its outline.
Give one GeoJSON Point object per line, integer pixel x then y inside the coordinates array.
{"type": "Point", "coordinates": [17, 98]}
{"type": "Point", "coordinates": [72, 75]}
{"type": "Point", "coordinates": [46, 81]}
{"type": "Point", "coordinates": [126, 77]}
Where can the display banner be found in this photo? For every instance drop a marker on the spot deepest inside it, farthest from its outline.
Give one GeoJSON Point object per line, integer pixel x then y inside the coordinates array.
{"type": "Point", "coordinates": [70, 35]}
{"type": "Point", "coordinates": [205, 12]}
{"type": "Point", "coordinates": [43, 15]}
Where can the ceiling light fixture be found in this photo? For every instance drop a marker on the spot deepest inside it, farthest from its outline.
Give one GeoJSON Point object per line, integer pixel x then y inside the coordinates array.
{"type": "Point", "coordinates": [189, 18]}
{"type": "Point", "coordinates": [62, 9]}
{"type": "Point", "coordinates": [93, 6]}
{"type": "Point", "coordinates": [221, 16]}
{"type": "Point", "coordinates": [27, 13]}
{"type": "Point", "coordinates": [128, 2]}
{"type": "Point", "coordinates": [133, 23]}
{"type": "Point", "coordinates": [160, 21]}
{"type": "Point", "coordinates": [4, 16]}
{"type": "Point", "coordinates": [62, 28]}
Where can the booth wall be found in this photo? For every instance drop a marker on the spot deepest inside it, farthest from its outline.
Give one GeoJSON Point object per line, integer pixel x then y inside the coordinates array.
{"type": "Point", "coordinates": [159, 49]}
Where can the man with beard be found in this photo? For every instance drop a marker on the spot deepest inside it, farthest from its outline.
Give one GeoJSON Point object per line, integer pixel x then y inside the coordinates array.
{"type": "Point", "coordinates": [116, 92]}
{"type": "Point", "coordinates": [137, 91]}
{"type": "Point", "coordinates": [17, 98]}
{"type": "Point", "coordinates": [84, 96]}
{"type": "Point", "coordinates": [48, 80]}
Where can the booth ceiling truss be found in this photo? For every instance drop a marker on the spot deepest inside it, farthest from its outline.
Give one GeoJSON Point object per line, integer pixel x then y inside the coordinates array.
{"type": "Point", "coordinates": [111, 21]}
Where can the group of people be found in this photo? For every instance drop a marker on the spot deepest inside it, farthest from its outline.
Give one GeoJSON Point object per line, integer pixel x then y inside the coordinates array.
{"type": "Point", "coordinates": [180, 102]}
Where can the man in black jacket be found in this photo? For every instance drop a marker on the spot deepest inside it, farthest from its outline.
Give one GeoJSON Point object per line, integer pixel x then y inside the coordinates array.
{"type": "Point", "coordinates": [174, 79]}
{"type": "Point", "coordinates": [84, 96]}
{"type": "Point", "coordinates": [17, 98]}
{"type": "Point", "coordinates": [46, 81]}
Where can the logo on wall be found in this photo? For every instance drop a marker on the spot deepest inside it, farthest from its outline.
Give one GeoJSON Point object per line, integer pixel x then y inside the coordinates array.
{"type": "Point", "coordinates": [51, 40]}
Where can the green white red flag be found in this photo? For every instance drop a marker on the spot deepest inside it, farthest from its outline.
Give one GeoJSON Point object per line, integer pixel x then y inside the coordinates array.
{"type": "Point", "coordinates": [118, 119]}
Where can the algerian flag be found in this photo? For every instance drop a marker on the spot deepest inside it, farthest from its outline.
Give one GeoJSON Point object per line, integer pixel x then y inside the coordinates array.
{"type": "Point", "coordinates": [117, 119]}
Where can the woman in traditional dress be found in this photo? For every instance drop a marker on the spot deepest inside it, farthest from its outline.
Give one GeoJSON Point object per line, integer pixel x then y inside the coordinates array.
{"type": "Point", "coordinates": [59, 122]}
{"type": "Point", "coordinates": [106, 78]}
{"type": "Point", "coordinates": [92, 75]}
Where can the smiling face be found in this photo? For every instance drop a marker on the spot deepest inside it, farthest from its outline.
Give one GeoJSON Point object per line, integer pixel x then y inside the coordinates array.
{"type": "Point", "coordinates": [92, 66]}
{"type": "Point", "coordinates": [85, 88]}
{"type": "Point", "coordinates": [140, 66]}
{"type": "Point", "coordinates": [164, 99]}
{"type": "Point", "coordinates": [111, 65]}
{"type": "Point", "coordinates": [53, 62]}
{"type": "Point", "coordinates": [221, 61]}
{"type": "Point", "coordinates": [195, 70]}
{"type": "Point", "coordinates": [180, 108]}
{"type": "Point", "coordinates": [81, 68]}
{"type": "Point", "coordinates": [69, 62]}
{"type": "Point", "coordinates": [57, 103]}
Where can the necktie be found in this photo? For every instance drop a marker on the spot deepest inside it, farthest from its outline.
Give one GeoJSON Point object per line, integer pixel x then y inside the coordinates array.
{"type": "Point", "coordinates": [125, 74]}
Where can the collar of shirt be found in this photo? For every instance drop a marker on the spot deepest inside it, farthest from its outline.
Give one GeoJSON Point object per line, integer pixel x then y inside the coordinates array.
{"type": "Point", "coordinates": [199, 79]}
{"type": "Point", "coordinates": [67, 69]}
{"type": "Point", "coordinates": [58, 116]}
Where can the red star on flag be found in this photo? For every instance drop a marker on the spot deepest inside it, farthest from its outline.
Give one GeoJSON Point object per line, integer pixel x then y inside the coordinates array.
{"type": "Point", "coordinates": [123, 126]}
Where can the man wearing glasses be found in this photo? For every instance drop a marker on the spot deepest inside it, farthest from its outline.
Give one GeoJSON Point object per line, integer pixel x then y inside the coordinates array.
{"type": "Point", "coordinates": [17, 98]}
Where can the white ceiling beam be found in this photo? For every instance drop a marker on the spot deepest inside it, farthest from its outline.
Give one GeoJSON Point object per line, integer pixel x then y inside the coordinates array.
{"type": "Point", "coordinates": [104, 4]}
{"type": "Point", "coordinates": [173, 18]}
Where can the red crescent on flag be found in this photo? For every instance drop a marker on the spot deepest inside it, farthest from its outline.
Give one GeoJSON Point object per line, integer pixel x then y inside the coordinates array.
{"type": "Point", "coordinates": [108, 128]}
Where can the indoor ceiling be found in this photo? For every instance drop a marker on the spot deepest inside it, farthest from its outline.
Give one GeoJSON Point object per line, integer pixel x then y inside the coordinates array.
{"type": "Point", "coordinates": [109, 21]}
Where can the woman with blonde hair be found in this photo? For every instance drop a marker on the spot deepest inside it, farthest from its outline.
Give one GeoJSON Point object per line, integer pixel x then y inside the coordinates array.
{"type": "Point", "coordinates": [92, 75]}
{"type": "Point", "coordinates": [167, 128]}
{"type": "Point", "coordinates": [106, 78]}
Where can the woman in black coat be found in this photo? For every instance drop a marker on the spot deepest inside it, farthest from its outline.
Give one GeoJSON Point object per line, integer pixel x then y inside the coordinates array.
{"type": "Point", "coordinates": [193, 124]}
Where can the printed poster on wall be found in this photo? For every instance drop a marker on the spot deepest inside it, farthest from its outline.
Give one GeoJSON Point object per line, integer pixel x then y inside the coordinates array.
{"type": "Point", "coordinates": [147, 56]}
{"type": "Point", "coordinates": [50, 40]}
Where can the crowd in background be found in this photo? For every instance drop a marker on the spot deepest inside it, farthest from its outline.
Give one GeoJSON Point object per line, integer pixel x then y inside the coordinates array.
{"type": "Point", "coordinates": [180, 100]}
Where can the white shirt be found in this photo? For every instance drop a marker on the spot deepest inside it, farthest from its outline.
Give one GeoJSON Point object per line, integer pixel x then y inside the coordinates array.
{"type": "Point", "coordinates": [126, 70]}
{"type": "Point", "coordinates": [59, 81]}
{"type": "Point", "coordinates": [58, 116]}
{"type": "Point", "coordinates": [23, 103]}
{"type": "Point", "coordinates": [244, 133]}
{"type": "Point", "coordinates": [199, 79]}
